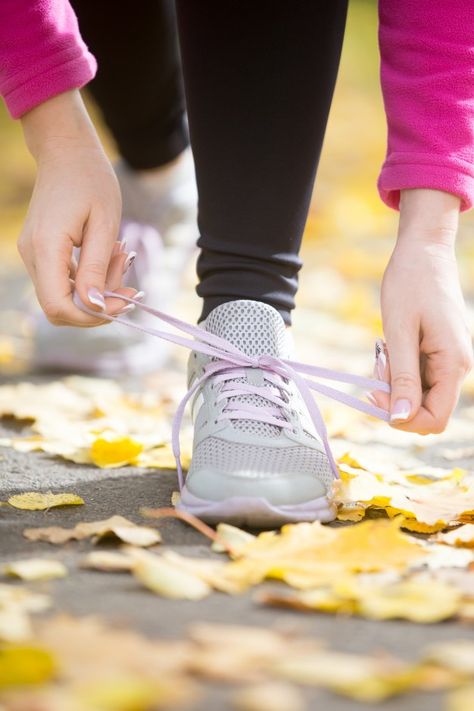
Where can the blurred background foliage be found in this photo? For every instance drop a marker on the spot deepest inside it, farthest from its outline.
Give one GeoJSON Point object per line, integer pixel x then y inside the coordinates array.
{"type": "Point", "coordinates": [349, 232]}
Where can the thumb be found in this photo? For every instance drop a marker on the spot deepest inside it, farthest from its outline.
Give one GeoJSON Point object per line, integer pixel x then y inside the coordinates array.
{"type": "Point", "coordinates": [94, 260]}
{"type": "Point", "coordinates": [405, 379]}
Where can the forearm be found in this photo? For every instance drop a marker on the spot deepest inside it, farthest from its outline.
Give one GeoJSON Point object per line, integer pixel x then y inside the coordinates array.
{"type": "Point", "coordinates": [61, 123]}
{"type": "Point", "coordinates": [429, 216]}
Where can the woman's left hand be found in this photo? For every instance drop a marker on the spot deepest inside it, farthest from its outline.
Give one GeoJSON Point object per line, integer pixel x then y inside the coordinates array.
{"type": "Point", "coordinates": [428, 344]}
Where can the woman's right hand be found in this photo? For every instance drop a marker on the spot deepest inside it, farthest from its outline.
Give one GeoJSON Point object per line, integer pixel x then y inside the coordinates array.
{"type": "Point", "coordinates": [75, 203]}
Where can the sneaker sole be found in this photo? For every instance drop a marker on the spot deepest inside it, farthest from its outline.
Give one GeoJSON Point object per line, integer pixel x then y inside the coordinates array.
{"type": "Point", "coordinates": [256, 512]}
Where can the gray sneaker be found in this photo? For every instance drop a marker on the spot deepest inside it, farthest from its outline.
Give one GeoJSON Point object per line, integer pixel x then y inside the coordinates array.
{"type": "Point", "coordinates": [250, 468]}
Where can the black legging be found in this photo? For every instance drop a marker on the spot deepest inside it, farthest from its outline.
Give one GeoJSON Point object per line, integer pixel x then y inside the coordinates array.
{"type": "Point", "coordinates": [259, 78]}
{"type": "Point", "coordinates": [139, 85]}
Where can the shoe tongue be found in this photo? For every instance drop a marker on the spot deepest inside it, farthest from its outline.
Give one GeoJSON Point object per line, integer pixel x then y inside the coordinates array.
{"type": "Point", "coordinates": [253, 327]}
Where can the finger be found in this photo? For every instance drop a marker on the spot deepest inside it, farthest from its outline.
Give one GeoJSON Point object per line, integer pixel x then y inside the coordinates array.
{"type": "Point", "coordinates": [52, 267]}
{"type": "Point", "coordinates": [405, 379]}
{"type": "Point", "coordinates": [439, 400]}
{"type": "Point", "coordinates": [114, 276]}
{"type": "Point", "coordinates": [96, 252]}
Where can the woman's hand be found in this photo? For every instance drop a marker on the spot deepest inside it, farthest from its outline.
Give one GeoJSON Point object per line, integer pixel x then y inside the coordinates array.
{"type": "Point", "coordinates": [429, 349]}
{"type": "Point", "coordinates": [75, 203]}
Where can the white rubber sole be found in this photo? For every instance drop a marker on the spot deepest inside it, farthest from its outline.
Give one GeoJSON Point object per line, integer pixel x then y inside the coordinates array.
{"type": "Point", "coordinates": [256, 512]}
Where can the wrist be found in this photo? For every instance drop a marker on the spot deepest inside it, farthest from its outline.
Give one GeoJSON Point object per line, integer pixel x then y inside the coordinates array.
{"type": "Point", "coordinates": [57, 125]}
{"type": "Point", "coordinates": [429, 215]}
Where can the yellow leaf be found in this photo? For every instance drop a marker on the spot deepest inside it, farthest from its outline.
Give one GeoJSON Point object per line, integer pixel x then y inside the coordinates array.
{"type": "Point", "coordinates": [36, 569]}
{"type": "Point", "coordinates": [36, 501]}
{"type": "Point", "coordinates": [462, 537]}
{"type": "Point", "coordinates": [461, 699]}
{"type": "Point", "coordinates": [422, 602]}
{"type": "Point", "coordinates": [108, 561]}
{"type": "Point", "coordinates": [367, 679]}
{"type": "Point", "coordinates": [125, 694]}
{"type": "Point", "coordinates": [115, 451]}
{"type": "Point", "coordinates": [22, 665]}
{"type": "Point", "coordinates": [231, 537]}
{"type": "Point", "coordinates": [353, 513]}
{"type": "Point", "coordinates": [165, 578]}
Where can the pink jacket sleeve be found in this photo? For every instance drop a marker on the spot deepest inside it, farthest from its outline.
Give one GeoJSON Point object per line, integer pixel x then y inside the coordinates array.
{"type": "Point", "coordinates": [41, 52]}
{"type": "Point", "coordinates": [427, 73]}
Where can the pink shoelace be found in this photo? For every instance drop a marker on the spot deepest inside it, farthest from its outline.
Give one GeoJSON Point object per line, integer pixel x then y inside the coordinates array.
{"type": "Point", "coordinates": [230, 363]}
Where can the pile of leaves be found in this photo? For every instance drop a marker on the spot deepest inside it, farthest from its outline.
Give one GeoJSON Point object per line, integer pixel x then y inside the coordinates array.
{"type": "Point", "coordinates": [403, 548]}
{"type": "Point", "coordinates": [91, 421]}
{"type": "Point", "coordinates": [265, 667]}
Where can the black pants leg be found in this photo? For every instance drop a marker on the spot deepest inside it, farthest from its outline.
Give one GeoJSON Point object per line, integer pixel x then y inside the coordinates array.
{"type": "Point", "coordinates": [259, 78]}
{"type": "Point", "coordinates": [139, 83]}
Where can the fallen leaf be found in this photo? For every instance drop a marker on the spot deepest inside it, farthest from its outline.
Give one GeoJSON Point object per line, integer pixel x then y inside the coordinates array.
{"type": "Point", "coordinates": [115, 451]}
{"type": "Point", "coordinates": [116, 526]}
{"type": "Point", "coordinates": [455, 654]}
{"type": "Point", "coordinates": [166, 579]}
{"type": "Point", "coordinates": [107, 561]}
{"type": "Point", "coordinates": [461, 699]}
{"type": "Point", "coordinates": [36, 501]}
{"type": "Point", "coordinates": [410, 600]}
{"type": "Point", "coordinates": [462, 536]}
{"type": "Point", "coordinates": [23, 665]}
{"type": "Point", "coordinates": [36, 569]}
{"type": "Point", "coordinates": [271, 696]}
{"type": "Point", "coordinates": [366, 679]}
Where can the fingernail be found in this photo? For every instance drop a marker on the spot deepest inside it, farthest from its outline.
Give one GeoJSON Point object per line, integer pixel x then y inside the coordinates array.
{"type": "Point", "coordinates": [129, 261]}
{"type": "Point", "coordinates": [127, 308]}
{"type": "Point", "coordinates": [139, 295]}
{"type": "Point", "coordinates": [401, 410]}
{"type": "Point", "coordinates": [96, 298]}
{"type": "Point", "coordinates": [371, 398]}
{"type": "Point", "coordinates": [123, 245]}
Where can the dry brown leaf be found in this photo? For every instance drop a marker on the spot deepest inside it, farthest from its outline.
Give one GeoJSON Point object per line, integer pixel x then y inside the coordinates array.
{"type": "Point", "coordinates": [117, 526]}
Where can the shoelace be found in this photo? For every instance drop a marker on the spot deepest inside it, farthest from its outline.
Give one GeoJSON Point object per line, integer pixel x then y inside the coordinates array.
{"type": "Point", "coordinates": [277, 394]}
{"type": "Point", "coordinates": [228, 361]}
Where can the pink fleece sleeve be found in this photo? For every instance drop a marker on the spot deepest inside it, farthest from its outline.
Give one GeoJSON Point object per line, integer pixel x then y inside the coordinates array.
{"type": "Point", "coordinates": [41, 52]}
{"type": "Point", "coordinates": [427, 73]}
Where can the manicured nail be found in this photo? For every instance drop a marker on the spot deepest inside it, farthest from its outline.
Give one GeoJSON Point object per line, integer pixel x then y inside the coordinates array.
{"type": "Point", "coordinates": [401, 410]}
{"type": "Point", "coordinates": [127, 308]}
{"type": "Point", "coordinates": [139, 295]}
{"type": "Point", "coordinates": [129, 261]}
{"type": "Point", "coordinates": [96, 298]}
{"type": "Point", "coordinates": [371, 398]}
